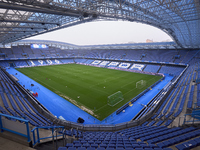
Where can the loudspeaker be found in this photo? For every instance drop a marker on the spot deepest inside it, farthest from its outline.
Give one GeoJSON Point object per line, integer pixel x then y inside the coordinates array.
{"type": "Point", "coordinates": [80, 120]}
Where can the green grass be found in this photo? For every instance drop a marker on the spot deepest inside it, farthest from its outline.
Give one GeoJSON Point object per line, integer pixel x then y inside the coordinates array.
{"type": "Point", "coordinates": [84, 85]}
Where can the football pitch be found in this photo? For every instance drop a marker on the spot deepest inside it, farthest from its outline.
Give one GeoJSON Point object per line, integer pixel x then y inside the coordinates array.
{"type": "Point", "coordinates": [88, 87]}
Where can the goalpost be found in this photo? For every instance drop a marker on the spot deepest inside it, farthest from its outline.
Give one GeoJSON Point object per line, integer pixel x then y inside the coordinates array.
{"type": "Point", "coordinates": [140, 84]}
{"type": "Point", "coordinates": [115, 98]}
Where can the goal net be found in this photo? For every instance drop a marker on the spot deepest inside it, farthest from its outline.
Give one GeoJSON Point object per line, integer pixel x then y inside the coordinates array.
{"type": "Point", "coordinates": [115, 98]}
{"type": "Point", "coordinates": [140, 84]}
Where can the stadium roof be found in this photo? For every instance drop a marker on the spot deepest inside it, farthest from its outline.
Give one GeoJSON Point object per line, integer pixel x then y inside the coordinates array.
{"type": "Point", "coordinates": [20, 19]}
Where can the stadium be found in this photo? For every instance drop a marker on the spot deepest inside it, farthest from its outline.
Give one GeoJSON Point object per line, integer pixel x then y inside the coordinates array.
{"type": "Point", "coordinates": [135, 96]}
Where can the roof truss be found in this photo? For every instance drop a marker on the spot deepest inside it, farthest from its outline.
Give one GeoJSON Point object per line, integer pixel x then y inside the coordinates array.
{"type": "Point", "coordinates": [178, 18]}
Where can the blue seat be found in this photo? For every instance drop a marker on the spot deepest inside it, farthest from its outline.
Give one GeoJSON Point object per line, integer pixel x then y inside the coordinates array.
{"type": "Point", "coordinates": [129, 148]}
{"type": "Point", "coordinates": [103, 145]}
{"type": "Point", "coordinates": [136, 146]}
{"type": "Point", "coordinates": [86, 145]}
{"type": "Point", "coordinates": [90, 148]}
{"type": "Point", "coordinates": [69, 145]}
{"type": "Point", "coordinates": [177, 140]}
{"type": "Point", "coordinates": [187, 145]}
{"type": "Point", "coordinates": [133, 142]}
{"type": "Point", "coordinates": [197, 140]}
{"type": "Point", "coordinates": [182, 137]}
{"type": "Point", "coordinates": [120, 145]}
{"type": "Point", "coordinates": [148, 149]}
{"type": "Point", "coordinates": [97, 142]}
{"type": "Point", "coordinates": [81, 148]}
{"type": "Point", "coordinates": [139, 149]}
{"type": "Point", "coordinates": [62, 148]}
{"type": "Point", "coordinates": [83, 141]}
{"type": "Point", "coordinates": [112, 142]}
{"type": "Point", "coordinates": [77, 145]}
{"type": "Point", "coordinates": [158, 139]}
{"type": "Point", "coordinates": [91, 142]}
{"type": "Point", "coordinates": [94, 145]}
{"type": "Point", "coordinates": [110, 148]}
{"type": "Point", "coordinates": [181, 147]}
{"type": "Point", "coordinates": [160, 144]}
{"type": "Point", "coordinates": [119, 148]}
{"type": "Point", "coordinates": [153, 145]}
{"type": "Point", "coordinates": [72, 148]}
{"type": "Point", "coordinates": [144, 145]}
{"type": "Point", "coordinates": [100, 148]}
{"type": "Point", "coordinates": [150, 141]}
{"type": "Point", "coordinates": [172, 141]}
{"type": "Point", "coordinates": [166, 144]}
{"type": "Point", "coordinates": [119, 142]}
{"type": "Point", "coordinates": [76, 142]}
{"type": "Point", "coordinates": [105, 142]}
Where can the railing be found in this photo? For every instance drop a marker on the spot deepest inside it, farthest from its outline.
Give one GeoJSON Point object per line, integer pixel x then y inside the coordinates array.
{"type": "Point", "coordinates": [4, 125]}
{"type": "Point", "coordinates": [179, 122]}
{"type": "Point", "coordinates": [195, 118]}
{"type": "Point", "coordinates": [37, 138]}
{"type": "Point", "coordinates": [55, 144]}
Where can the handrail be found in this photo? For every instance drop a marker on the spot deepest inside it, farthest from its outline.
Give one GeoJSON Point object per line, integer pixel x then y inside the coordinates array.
{"type": "Point", "coordinates": [193, 116]}
{"type": "Point", "coordinates": [55, 131]}
{"type": "Point", "coordinates": [38, 135]}
{"type": "Point", "coordinates": [18, 133]}
{"type": "Point", "coordinates": [64, 134]}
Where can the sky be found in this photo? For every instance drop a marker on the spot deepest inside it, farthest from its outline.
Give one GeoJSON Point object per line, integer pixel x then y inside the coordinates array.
{"type": "Point", "coordinates": [106, 32]}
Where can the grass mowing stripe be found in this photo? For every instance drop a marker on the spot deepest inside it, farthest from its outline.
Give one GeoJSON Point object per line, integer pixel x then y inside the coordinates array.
{"type": "Point", "coordinates": [91, 84]}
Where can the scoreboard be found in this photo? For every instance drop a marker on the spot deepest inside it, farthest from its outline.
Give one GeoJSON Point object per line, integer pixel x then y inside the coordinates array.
{"type": "Point", "coordinates": [39, 46]}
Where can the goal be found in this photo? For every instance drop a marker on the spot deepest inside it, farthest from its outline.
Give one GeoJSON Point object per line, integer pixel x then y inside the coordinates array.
{"type": "Point", "coordinates": [115, 98]}
{"type": "Point", "coordinates": [140, 84]}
